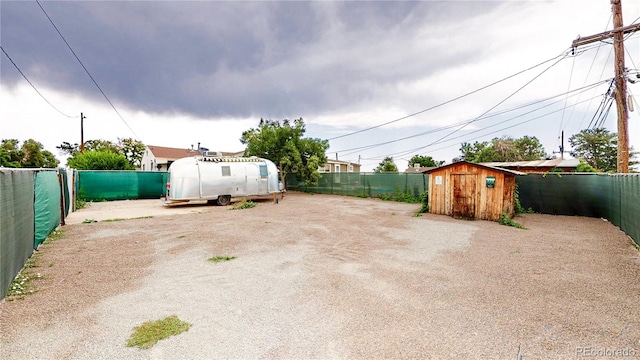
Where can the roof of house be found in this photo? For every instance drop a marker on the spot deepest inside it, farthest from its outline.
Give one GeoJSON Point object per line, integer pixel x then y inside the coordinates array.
{"type": "Point", "coordinates": [476, 164]}
{"type": "Point", "coordinates": [341, 162]}
{"type": "Point", "coordinates": [171, 153]}
{"type": "Point", "coordinates": [418, 170]}
{"type": "Point", "coordinates": [559, 163]}
{"type": "Point", "coordinates": [177, 153]}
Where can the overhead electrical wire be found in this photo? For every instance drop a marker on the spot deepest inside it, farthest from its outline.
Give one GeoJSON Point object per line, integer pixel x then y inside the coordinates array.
{"type": "Point", "coordinates": [606, 102]}
{"type": "Point", "coordinates": [403, 153]}
{"type": "Point", "coordinates": [572, 93]}
{"type": "Point", "coordinates": [33, 86]}
{"type": "Point", "coordinates": [560, 128]}
{"type": "Point", "coordinates": [563, 54]}
{"type": "Point", "coordinates": [87, 71]}
{"type": "Point", "coordinates": [491, 108]}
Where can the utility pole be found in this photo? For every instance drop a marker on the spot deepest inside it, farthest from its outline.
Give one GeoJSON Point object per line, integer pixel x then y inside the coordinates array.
{"type": "Point", "coordinates": [82, 132]}
{"type": "Point", "coordinates": [620, 78]}
{"type": "Point", "coordinates": [562, 146]}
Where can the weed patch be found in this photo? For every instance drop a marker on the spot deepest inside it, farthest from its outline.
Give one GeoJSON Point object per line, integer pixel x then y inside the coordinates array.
{"type": "Point", "coordinates": [217, 259]}
{"type": "Point", "coordinates": [23, 284]}
{"type": "Point", "coordinates": [244, 204]}
{"type": "Point", "coordinates": [150, 332]}
{"type": "Point", "coordinates": [424, 200]}
{"type": "Point", "coordinates": [506, 220]}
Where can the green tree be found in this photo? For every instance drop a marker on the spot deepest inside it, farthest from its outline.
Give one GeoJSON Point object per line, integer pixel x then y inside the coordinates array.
{"type": "Point", "coordinates": [10, 155]}
{"type": "Point", "coordinates": [386, 165]}
{"type": "Point", "coordinates": [424, 161]}
{"type": "Point", "coordinates": [506, 148]}
{"type": "Point", "coordinates": [529, 148]}
{"type": "Point", "coordinates": [89, 145]}
{"type": "Point", "coordinates": [132, 149]}
{"type": "Point", "coordinates": [598, 148]}
{"type": "Point", "coordinates": [34, 156]}
{"type": "Point", "coordinates": [67, 148]}
{"type": "Point", "coordinates": [283, 144]}
{"type": "Point", "coordinates": [99, 160]}
{"type": "Point", "coordinates": [30, 155]}
{"type": "Point", "coordinates": [584, 167]}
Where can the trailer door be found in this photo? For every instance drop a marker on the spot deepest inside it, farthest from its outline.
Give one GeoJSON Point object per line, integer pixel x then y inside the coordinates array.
{"type": "Point", "coordinates": [251, 179]}
{"type": "Point", "coordinates": [264, 179]}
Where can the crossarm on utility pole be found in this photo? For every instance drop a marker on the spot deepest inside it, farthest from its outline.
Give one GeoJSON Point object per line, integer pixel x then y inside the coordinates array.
{"type": "Point", "coordinates": [604, 35]}
{"type": "Point", "coordinates": [622, 163]}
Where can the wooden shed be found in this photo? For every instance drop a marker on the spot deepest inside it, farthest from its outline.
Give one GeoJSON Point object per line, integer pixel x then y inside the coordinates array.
{"type": "Point", "coordinates": [466, 190]}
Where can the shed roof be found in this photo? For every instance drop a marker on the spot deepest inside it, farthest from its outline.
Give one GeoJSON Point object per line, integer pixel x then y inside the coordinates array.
{"type": "Point", "coordinates": [478, 165]}
{"type": "Point", "coordinates": [560, 163]}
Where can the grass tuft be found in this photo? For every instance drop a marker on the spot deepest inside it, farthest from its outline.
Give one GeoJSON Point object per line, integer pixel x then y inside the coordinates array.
{"type": "Point", "coordinates": [244, 204]}
{"type": "Point", "coordinates": [149, 333]}
{"type": "Point", "coordinates": [217, 259]}
{"type": "Point", "coordinates": [123, 219]}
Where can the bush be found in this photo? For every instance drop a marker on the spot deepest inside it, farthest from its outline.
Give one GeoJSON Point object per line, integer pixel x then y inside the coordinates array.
{"type": "Point", "coordinates": [99, 160]}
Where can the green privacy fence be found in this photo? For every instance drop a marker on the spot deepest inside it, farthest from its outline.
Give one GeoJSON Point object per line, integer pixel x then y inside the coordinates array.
{"type": "Point", "coordinates": [30, 208]}
{"type": "Point", "coordinates": [612, 197]}
{"type": "Point", "coordinates": [46, 205]}
{"type": "Point", "coordinates": [364, 184]}
{"type": "Point", "coordinates": [120, 185]}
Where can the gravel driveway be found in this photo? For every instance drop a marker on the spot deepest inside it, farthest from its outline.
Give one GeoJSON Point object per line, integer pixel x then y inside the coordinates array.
{"type": "Point", "coordinates": [328, 277]}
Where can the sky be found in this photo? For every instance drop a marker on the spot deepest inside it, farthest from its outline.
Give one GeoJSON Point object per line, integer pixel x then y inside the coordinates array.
{"type": "Point", "coordinates": [375, 78]}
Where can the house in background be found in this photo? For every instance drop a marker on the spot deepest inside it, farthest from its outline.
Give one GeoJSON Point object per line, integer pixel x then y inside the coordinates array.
{"type": "Point", "coordinates": [566, 165]}
{"type": "Point", "coordinates": [418, 169]}
{"type": "Point", "coordinates": [338, 166]}
{"type": "Point", "coordinates": [159, 158]}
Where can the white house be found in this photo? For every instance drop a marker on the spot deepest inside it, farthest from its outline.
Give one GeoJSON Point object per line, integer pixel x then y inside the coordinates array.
{"type": "Point", "coordinates": [159, 158]}
{"type": "Point", "coordinates": [338, 166]}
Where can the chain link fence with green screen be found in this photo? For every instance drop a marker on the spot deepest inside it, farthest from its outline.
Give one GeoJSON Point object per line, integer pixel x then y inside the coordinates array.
{"type": "Point", "coordinates": [392, 185]}
{"type": "Point", "coordinates": [613, 197]}
{"type": "Point", "coordinates": [46, 205]}
{"type": "Point", "coordinates": [16, 223]}
{"type": "Point", "coordinates": [120, 185]}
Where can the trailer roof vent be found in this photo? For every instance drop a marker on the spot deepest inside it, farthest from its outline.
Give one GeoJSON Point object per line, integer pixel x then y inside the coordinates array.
{"type": "Point", "coordinates": [213, 153]}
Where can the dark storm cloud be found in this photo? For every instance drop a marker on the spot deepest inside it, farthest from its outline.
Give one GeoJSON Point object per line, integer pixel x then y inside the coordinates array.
{"type": "Point", "coordinates": [211, 59]}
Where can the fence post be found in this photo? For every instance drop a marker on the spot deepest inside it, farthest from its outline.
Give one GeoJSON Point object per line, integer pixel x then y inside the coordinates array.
{"type": "Point", "coordinates": [61, 186]}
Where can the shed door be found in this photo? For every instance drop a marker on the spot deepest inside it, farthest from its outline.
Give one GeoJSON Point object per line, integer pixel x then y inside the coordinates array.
{"type": "Point", "coordinates": [464, 196]}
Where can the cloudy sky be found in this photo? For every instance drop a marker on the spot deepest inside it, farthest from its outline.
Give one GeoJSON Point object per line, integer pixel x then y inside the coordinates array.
{"type": "Point", "coordinates": [375, 78]}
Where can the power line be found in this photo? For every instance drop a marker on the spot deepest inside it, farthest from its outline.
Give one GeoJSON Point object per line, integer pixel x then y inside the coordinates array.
{"type": "Point", "coordinates": [563, 55]}
{"type": "Point", "coordinates": [404, 153]}
{"type": "Point", "coordinates": [86, 70]}
{"type": "Point", "coordinates": [493, 107]}
{"type": "Point", "coordinates": [33, 86]}
{"type": "Point", "coordinates": [569, 93]}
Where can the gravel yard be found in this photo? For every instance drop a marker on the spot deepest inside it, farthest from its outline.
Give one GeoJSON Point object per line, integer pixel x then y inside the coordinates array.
{"type": "Point", "coordinates": [328, 277]}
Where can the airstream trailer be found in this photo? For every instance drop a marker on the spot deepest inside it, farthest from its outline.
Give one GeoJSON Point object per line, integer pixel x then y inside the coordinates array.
{"type": "Point", "coordinates": [219, 179]}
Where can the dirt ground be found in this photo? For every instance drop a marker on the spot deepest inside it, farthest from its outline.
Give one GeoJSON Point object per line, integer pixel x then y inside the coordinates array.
{"type": "Point", "coordinates": [328, 277]}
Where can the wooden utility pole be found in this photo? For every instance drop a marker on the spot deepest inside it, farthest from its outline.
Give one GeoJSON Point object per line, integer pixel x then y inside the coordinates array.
{"type": "Point", "coordinates": [81, 132]}
{"type": "Point", "coordinates": [620, 78]}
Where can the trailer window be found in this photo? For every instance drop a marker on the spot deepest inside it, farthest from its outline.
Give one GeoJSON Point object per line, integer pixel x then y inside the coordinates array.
{"type": "Point", "coordinates": [263, 171]}
{"type": "Point", "coordinates": [226, 170]}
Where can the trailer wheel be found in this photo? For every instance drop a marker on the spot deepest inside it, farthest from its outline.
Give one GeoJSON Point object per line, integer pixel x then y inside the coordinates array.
{"type": "Point", "coordinates": [224, 200]}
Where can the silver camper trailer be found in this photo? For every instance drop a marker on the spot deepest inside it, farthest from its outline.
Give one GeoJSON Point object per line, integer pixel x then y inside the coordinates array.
{"type": "Point", "coordinates": [219, 179]}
